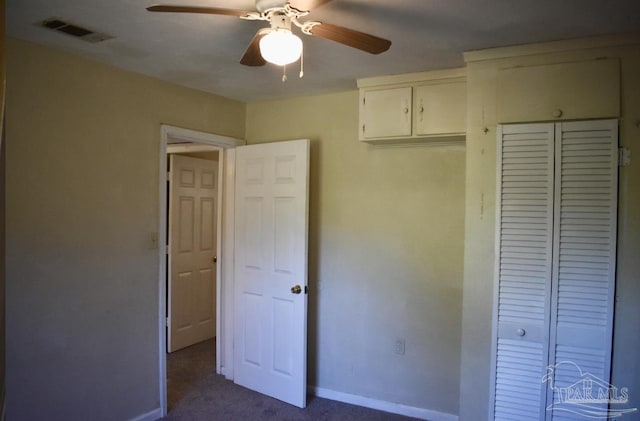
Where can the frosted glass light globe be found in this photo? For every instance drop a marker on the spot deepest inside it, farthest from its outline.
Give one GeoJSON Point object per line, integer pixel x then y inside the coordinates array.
{"type": "Point", "coordinates": [280, 47]}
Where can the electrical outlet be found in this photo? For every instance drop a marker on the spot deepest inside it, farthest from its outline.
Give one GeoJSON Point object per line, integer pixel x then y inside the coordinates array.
{"type": "Point", "coordinates": [400, 344]}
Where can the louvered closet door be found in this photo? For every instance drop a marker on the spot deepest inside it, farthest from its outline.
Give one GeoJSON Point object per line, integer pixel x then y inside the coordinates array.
{"type": "Point", "coordinates": [586, 188]}
{"type": "Point", "coordinates": [524, 253]}
{"type": "Point", "coordinates": [556, 238]}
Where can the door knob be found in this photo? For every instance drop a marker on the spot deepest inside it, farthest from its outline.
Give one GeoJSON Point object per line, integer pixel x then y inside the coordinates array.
{"type": "Point", "coordinates": [296, 289]}
{"type": "Point", "coordinates": [215, 259]}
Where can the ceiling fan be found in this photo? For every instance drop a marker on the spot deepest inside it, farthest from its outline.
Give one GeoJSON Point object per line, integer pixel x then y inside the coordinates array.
{"type": "Point", "coordinates": [278, 44]}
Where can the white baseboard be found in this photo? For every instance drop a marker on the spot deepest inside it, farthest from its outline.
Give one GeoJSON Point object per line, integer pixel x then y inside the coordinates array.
{"type": "Point", "coordinates": [149, 416]}
{"type": "Point", "coordinates": [394, 408]}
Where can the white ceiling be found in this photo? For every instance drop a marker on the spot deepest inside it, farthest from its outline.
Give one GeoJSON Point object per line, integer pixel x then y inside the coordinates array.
{"type": "Point", "coordinates": [203, 51]}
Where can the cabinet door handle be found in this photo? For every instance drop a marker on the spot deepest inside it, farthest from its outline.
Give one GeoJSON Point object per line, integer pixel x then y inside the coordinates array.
{"type": "Point", "coordinates": [406, 110]}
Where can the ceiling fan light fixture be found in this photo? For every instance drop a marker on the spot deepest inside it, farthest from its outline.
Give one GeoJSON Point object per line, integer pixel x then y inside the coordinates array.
{"type": "Point", "coordinates": [281, 47]}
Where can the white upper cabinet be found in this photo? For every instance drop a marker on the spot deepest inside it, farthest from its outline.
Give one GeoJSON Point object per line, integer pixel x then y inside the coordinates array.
{"type": "Point", "coordinates": [413, 107]}
{"type": "Point", "coordinates": [563, 91]}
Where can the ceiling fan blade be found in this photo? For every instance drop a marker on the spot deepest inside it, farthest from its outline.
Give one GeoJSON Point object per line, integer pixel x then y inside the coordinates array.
{"type": "Point", "coordinates": [252, 56]}
{"type": "Point", "coordinates": [352, 38]}
{"type": "Point", "coordinates": [307, 4]}
{"type": "Point", "coordinates": [196, 9]}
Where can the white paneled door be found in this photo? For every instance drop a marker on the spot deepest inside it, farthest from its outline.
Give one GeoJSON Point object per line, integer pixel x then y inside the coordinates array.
{"type": "Point", "coordinates": [192, 250]}
{"type": "Point", "coordinates": [555, 265]}
{"type": "Point", "coordinates": [270, 334]}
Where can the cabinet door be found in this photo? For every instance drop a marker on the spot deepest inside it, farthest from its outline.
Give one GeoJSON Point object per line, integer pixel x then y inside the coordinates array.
{"type": "Point", "coordinates": [566, 91]}
{"type": "Point", "coordinates": [440, 109]}
{"type": "Point", "coordinates": [385, 113]}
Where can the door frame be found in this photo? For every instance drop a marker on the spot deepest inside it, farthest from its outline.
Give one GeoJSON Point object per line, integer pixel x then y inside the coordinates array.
{"type": "Point", "coordinates": [224, 270]}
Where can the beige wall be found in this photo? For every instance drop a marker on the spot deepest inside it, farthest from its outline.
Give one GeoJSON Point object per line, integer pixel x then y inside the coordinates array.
{"type": "Point", "coordinates": [385, 261]}
{"type": "Point", "coordinates": [83, 139]}
{"type": "Point", "coordinates": [480, 223]}
{"type": "Point", "coordinates": [82, 204]}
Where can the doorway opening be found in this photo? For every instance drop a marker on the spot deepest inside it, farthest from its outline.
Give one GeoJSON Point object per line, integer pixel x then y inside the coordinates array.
{"type": "Point", "coordinates": [189, 144]}
{"type": "Point", "coordinates": [193, 192]}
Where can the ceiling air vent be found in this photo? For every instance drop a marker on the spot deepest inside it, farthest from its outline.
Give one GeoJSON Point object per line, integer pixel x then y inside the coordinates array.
{"type": "Point", "coordinates": [79, 32]}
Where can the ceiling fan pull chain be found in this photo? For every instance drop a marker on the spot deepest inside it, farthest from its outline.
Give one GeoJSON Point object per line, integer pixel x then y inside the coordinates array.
{"type": "Point", "coordinates": [284, 73]}
{"type": "Point", "coordinates": [302, 63]}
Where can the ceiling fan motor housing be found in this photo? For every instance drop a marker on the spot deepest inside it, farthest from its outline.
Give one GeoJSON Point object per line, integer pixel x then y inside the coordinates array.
{"type": "Point", "coordinates": [264, 5]}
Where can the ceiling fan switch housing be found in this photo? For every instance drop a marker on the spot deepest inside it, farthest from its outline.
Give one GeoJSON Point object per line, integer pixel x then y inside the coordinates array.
{"type": "Point", "coordinates": [281, 22]}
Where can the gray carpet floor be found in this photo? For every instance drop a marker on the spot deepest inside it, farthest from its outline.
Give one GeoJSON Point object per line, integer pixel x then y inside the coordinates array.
{"type": "Point", "coordinates": [196, 392]}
